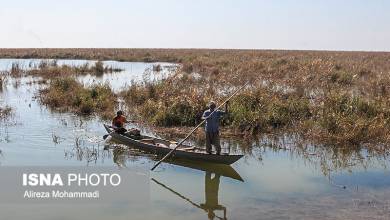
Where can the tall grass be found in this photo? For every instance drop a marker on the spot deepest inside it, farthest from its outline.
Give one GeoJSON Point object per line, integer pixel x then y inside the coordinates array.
{"type": "Point", "coordinates": [16, 70]}
{"type": "Point", "coordinates": [3, 80]}
{"type": "Point", "coordinates": [336, 100]}
{"type": "Point", "coordinates": [66, 94]}
{"type": "Point", "coordinates": [345, 119]}
{"type": "Point", "coordinates": [157, 68]}
{"type": "Point", "coordinates": [5, 112]}
{"type": "Point", "coordinates": [333, 97]}
{"type": "Point", "coordinates": [50, 68]}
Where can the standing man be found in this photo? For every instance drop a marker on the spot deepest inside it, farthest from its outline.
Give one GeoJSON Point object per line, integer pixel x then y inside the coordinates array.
{"type": "Point", "coordinates": [212, 127]}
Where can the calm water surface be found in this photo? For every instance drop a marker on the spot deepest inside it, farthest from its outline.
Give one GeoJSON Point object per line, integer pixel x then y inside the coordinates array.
{"type": "Point", "coordinates": [275, 180]}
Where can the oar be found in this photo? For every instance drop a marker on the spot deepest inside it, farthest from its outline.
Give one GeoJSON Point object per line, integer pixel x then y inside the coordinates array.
{"type": "Point", "coordinates": [200, 124]}
{"type": "Point", "coordinates": [107, 135]}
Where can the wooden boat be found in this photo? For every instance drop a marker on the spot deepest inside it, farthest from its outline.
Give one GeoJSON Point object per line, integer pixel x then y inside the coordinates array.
{"type": "Point", "coordinates": [215, 168]}
{"type": "Point", "coordinates": [162, 147]}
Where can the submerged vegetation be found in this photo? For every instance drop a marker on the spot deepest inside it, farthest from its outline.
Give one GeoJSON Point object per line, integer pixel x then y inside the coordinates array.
{"type": "Point", "coordinates": [5, 112]}
{"type": "Point", "coordinates": [50, 68]}
{"type": "Point", "coordinates": [3, 80]}
{"type": "Point", "coordinates": [338, 98]}
{"type": "Point", "coordinates": [67, 94]}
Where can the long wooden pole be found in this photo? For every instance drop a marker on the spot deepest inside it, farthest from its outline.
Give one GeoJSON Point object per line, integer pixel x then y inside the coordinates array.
{"type": "Point", "coordinates": [200, 124]}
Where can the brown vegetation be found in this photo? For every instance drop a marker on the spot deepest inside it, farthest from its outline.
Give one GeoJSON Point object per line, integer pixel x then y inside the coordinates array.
{"type": "Point", "coordinates": [5, 112]}
{"type": "Point", "coordinates": [50, 69]}
{"type": "Point", "coordinates": [3, 80]}
{"type": "Point", "coordinates": [334, 98]}
{"type": "Point", "coordinates": [66, 94]}
{"type": "Point", "coordinates": [330, 97]}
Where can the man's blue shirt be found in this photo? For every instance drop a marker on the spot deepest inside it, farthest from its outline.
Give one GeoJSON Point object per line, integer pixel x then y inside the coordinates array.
{"type": "Point", "coordinates": [212, 123]}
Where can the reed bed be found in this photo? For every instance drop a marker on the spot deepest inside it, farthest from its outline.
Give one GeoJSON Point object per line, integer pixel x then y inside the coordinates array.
{"type": "Point", "coordinates": [3, 80]}
{"type": "Point", "coordinates": [337, 98]}
{"type": "Point", "coordinates": [329, 97]}
{"type": "Point", "coordinates": [68, 95]}
{"type": "Point", "coordinates": [50, 68]}
{"type": "Point", "coordinates": [5, 112]}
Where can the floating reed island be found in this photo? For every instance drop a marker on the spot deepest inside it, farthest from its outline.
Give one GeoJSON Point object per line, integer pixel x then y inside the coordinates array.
{"type": "Point", "coordinates": [337, 98]}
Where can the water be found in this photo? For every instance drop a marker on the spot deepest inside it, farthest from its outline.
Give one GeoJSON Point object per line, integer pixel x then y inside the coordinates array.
{"type": "Point", "coordinates": [132, 71]}
{"type": "Point", "coordinates": [282, 181]}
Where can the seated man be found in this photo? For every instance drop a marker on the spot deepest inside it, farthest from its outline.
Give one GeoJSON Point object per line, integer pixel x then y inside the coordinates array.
{"type": "Point", "coordinates": [118, 122]}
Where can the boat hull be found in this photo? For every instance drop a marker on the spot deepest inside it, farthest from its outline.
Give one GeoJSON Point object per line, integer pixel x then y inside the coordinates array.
{"type": "Point", "coordinates": [162, 151]}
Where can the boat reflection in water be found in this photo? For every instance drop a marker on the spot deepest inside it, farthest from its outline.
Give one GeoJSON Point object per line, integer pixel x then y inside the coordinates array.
{"type": "Point", "coordinates": [217, 169]}
{"type": "Point", "coordinates": [213, 174]}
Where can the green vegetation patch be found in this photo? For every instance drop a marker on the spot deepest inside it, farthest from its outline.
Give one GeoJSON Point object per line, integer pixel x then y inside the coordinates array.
{"type": "Point", "coordinates": [67, 94]}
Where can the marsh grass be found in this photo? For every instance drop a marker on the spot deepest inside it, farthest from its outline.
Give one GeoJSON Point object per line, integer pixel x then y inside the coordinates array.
{"type": "Point", "coordinates": [5, 113]}
{"type": "Point", "coordinates": [345, 119]}
{"type": "Point", "coordinates": [162, 106]}
{"type": "Point", "coordinates": [50, 68]}
{"type": "Point", "coordinates": [99, 69]}
{"type": "Point", "coordinates": [157, 68]}
{"type": "Point", "coordinates": [67, 94]}
{"type": "Point", "coordinates": [3, 81]}
{"type": "Point", "coordinates": [332, 97]}
{"type": "Point", "coordinates": [16, 70]}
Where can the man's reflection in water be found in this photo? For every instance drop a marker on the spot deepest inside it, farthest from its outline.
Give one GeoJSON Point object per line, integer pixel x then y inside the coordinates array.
{"type": "Point", "coordinates": [211, 194]}
{"type": "Point", "coordinates": [212, 181]}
